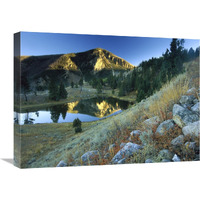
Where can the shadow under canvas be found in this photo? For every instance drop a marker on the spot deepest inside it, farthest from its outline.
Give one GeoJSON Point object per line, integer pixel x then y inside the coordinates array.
{"type": "Point", "coordinates": [8, 160]}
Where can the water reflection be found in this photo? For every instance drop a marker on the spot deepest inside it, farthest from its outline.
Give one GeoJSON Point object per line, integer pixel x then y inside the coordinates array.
{"type": "Point", "coordinates": [58, 110]}
{"type": "Point", "coordinates": [85, 110]}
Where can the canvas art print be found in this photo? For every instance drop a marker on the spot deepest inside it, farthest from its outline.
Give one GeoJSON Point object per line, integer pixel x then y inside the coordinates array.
{"type": "Point", "coordinates": [82, 100]}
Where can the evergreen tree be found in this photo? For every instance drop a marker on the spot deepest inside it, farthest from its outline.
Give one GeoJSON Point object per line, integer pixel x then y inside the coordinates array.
{"type": "Point", "coordinates": [197, 52]}
{"type": "Point", "coordinates": [72, 84]}
{"type": "Point", "coordinates": [99, 88]}
{"type": "Point", "coordinates": [122, 90]}
{"type": "Point", "coordinates": [176, 48]}
{"type": "Point", "coordinates": [77, 125]}
{"type": "Point", "coordinates": [62, 91]}
{"type": "Point", "coordinates": [53, 91]}
{"type": "Point", "coordinates": [25, 86]}
{"type": "Point", "coordinates": [140, 95]}
{"type": "Point", "coordinates": [76, 122]}
{"type": "Point", "coordinates": [81, 82]}
{"type": "Point", "coordinates": [191, 54]}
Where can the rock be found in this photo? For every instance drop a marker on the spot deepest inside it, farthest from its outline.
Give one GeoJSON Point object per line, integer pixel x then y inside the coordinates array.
{"type": "Point", "coordinates": [135, 132]}
{"type": "Point", "coordinates": [176, 158]}
{"type": "Point", "coordinates": [183, 116]}
{"type": "Point", "coordinates": [111, 147]}
{"type": "Point", "coordinates": [191, 145]}
{"type": "Point", "coordinates": [122, 145]}
{"type": "Point", "coordinates": [122, 161]}
{"type": "Point", "coordinates": [166, 160]}
{"type": "Point", "coordinates": [146, 137]}
{"type": "Point", "coordinates": [197, 158]}
{"type": "Point", "coordinates": [195, 101]}
{"type": "Point", "coordinates": [148, 161]}
{"type": "Point", "coordinates": [196, 108]}
{"type": "Point", "coordinates": [31, 161]}
{"type": "Point", "coordinates": [192, 129]}
{"type": "Point", "coordinates": [151, 122]}
{"type": "Point", "coordinates": [188, 100]}
{"type": "Point", "coordinates": [191, 91]}
{"type": "Point", "coordinates": [88, 157]}
{"type": "Point", "coordinates": [126, 152]}
{"type": "Point", "coordinates": [165, 126]}
{"type": "Point", "coordinates": [178, 141]}
{"type": "Point", "coordinates": [61, 164]}
{"type": "Point", "coordinates": [165, 154]}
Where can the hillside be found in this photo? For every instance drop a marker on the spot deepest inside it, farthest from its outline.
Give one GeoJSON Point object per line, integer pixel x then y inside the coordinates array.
{"type": "Point", "coordinates": [91, 61]}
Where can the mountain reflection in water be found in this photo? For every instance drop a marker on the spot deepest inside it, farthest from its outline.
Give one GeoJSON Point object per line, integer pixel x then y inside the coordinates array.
{"type": "Point", "coordinates": [86, 110]}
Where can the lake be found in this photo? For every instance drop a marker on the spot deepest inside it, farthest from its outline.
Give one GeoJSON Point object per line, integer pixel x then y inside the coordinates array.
{"type": "Point", "coordinates": [86, 110]}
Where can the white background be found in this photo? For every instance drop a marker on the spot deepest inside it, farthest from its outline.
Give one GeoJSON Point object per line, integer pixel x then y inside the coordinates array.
{"type": "Point", "coordinates": [132, 18]}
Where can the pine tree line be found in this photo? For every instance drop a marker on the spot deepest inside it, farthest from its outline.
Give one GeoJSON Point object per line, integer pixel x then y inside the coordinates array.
{"type": "Point", "coordinates": [150, 75]}
{"type": "Point", "coordinates": [57, 92]}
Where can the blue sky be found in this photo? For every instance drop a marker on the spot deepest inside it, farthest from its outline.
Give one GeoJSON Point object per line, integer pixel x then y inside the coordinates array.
{"type": "Point", "coordinates": [132, 49]}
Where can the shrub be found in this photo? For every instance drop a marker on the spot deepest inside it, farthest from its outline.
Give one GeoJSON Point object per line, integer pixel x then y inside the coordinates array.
{"type": "Point", "coordinates": [77, 123]}
{"type": "Point", "coordinates": [78, 129]}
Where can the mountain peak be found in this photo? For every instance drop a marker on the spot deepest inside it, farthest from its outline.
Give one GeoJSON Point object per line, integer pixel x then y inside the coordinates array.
{"type": "Point", "coordinates": [91, 61]}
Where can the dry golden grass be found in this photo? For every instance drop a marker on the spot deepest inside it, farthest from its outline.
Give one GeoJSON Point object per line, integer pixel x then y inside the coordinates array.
{"type": "Point", "coordinates": [169, 95]}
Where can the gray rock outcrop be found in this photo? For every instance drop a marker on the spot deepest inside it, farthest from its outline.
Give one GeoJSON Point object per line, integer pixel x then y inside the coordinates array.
{"type": "Point", "coordinates": [89, 157]}
{"type": "Point", "coordinates": [61, 164]}
{"type": "Point", "coordinates": [187, 100]}
{"type": "Point", "coordinates": [165, 154]}
{"type": "Point", "coordinates": [178, 141]}
{"type": "Point", "coordinates": [135, 132]}
{"type": "Point", "coordinates": [148, 161]}
{"type": "Point", "coordinates": [191, 91]}
{"type": "Point", "coordinates": [151, 122]}
{"type": "Point", "coordinates": [191, 145]}
{"type": "Point", "coordinates": [128, 150]}
{"type": "Point", "coordinates": [192, 129]}
{"type": "Point", "coordinates": [165, 126]}
{"type": "Point", "coordinates": [182, 116]}
{"type": "Point", "coordinates": [176, 158]}
{"type": "Point", "coordinates": [196, 108]}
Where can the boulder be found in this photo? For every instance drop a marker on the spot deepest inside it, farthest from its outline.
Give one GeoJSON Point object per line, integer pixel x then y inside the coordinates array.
{"type": "Point", "coordinates": [190, 145]}
{"type": "Point", "coordinates": [146, 137]}
{"type": "Point", "coordinates": [178, 141]}
{"type": "Point", "coordinates": [195, 101]}
{"type": "Point", "coordinates": [89, 157]}
{"type": "Point", "coordinates": [135, 132]}
{"type": "Point", "coordinates": [61, 164]}
{"type": "Point", "coordinates": [176, 158]}
{"type": "Point", "coordinates": [197, 157]}
{"type": "Point", "coordinates": [166, 160]}
{"type": "Point", "coordinates": [122, 145]}
{"type": "Point", "coordinates": [122, 161]}
{"type": "Point", "coordinates": [165, 154]}
{"type": "Point", "coordinates": [128, 150]}
{"type": "Point", "coordinates": [187, 100]}
{"type": "Point", "coordinates": [191, 91]}
{"type": "Point", "coordinates": [149, 161]}
{"type": "Point", "coordinates": [151, 122]}
{"type": "Point", "coordinates": [192, 129]}
{"type": "Point", "coordinates": [196, 107]}
{"type": "Point", "coordinates": [182, 116]}
{"type": "Point", "coordinates": [165, 126]}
